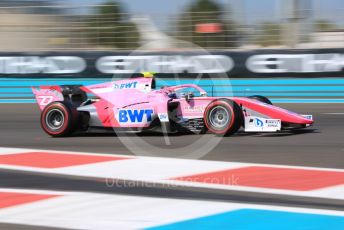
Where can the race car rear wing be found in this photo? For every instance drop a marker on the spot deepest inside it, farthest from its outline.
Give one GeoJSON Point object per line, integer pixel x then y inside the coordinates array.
{"type": "Point", "coordinates": [47, 94]}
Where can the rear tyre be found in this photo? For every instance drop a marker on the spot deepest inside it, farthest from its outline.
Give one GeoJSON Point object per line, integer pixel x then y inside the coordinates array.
{"type": "Point", "coordinates": [261, 99]}
{"type": "Point", "coordinates": [59, 119]}
{"type": "Point", "coordinates": [223, 117]}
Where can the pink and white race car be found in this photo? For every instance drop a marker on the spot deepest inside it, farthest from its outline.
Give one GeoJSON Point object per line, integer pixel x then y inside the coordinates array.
{"type": "Point", "coordinates": [135, 105]}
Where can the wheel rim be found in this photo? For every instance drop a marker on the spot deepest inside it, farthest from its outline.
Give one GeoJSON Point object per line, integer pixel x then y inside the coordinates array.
{"type": "Point", "coordinates": [55, 119]}
{"type": "Point", "coordinates": [219, 117]}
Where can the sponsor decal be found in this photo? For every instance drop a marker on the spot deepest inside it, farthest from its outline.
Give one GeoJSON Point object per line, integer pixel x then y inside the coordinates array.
{"type": "Point", "coordinates": [127, 85]}
{"type": "Point", "coordinates": [310, 117]}
{"type": "Point", "coordinates": [273, 123]}
{"type": "Point", "coordinates": [244, 64]}
{"type": "Point", "coordinates": [163, 117]}
{"type": "Point", "coordinates": [258, 122]}
{"type": "Point", "coordinates": [295, 63]}
{"type": "Point", "coordinates": [194, 109]}
{"type": "Point", "coordinates": [165, 64]}
{"type": "Point", "coordinates": [135, 115]}
{"type": "Point", "coordinates": [45, 65]}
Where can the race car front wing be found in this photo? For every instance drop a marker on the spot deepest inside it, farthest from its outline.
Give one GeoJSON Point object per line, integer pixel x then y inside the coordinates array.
{"type": "Point", "coordinates": [259, 124]}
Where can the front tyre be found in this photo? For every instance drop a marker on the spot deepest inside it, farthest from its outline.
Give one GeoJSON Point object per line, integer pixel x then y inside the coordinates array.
{"type": "Point", "coordinates": [59, 119]}
{"type": "Point", "coordinates": [223, 117]}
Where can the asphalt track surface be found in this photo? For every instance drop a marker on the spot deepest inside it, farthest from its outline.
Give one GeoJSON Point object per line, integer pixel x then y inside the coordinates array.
{"type": "Point", "coordinates": [320, 146]}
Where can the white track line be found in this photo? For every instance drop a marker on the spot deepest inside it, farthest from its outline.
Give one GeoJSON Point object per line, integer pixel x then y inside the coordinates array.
{"type": "Point", "coordinates": [334, 113]}
{"type": "Point", "coordinates": [104, 211]}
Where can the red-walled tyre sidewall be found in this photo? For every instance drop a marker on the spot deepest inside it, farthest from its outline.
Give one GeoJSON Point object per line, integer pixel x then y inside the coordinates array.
{"type": "Point", "coordinates": [70, 119]}
{"type": "Point", "coordinates": [236, 117]}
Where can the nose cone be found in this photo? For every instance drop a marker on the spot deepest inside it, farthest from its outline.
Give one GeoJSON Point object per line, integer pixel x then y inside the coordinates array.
{"type": "Point", "coordinates": [307, 119]}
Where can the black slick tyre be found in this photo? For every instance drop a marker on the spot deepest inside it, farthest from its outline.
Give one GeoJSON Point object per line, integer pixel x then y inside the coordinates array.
{"type": "Point", "coordinates": [223, 117]}
{"type": "Point", "coordinates": [59, 119]}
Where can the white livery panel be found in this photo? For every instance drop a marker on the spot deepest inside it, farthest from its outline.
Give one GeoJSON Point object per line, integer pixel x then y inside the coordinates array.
{"type": "Point", "coordinates": [259, 124]}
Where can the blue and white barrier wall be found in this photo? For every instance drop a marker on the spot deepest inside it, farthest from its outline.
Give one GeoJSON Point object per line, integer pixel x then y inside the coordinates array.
{"type": "Point", "coordinates": [313, 75]}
